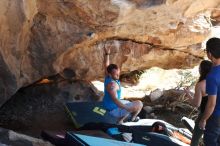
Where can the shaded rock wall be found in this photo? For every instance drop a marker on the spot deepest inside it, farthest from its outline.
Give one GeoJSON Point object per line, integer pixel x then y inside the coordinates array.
{"type": "Point", "coordinates": [16, 19]}
{"type": "Point", "coordinates": [42, 106]}
{"type": "Point", "coordinates": [40, 38]}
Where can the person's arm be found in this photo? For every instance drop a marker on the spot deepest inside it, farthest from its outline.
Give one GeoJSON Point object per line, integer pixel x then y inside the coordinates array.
{"type": "Point", "coordinates": [211, 89]}
{"type": "Point", "coordinates": [196, 99]}
{"type": "Point", "coordinates": [112, 89]}
{"type": "Point", "coordinates": [210, 106]}
{"type": "Point", "coordinates": [106, 59]}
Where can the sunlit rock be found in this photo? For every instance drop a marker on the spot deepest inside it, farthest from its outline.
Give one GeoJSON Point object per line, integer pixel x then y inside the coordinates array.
{"type": "Point", "coordinates": [40, 38]}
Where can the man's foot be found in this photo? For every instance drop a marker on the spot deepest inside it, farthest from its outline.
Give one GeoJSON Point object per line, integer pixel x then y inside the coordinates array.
{"type": "Point", "coordinates": [123, 119]}
{"type": "Point", "coordinates": [133, 119]}
{"type": "Point", "coordinates": [120, 122]}
{"type": "Point", "coordinates": [136, 119]}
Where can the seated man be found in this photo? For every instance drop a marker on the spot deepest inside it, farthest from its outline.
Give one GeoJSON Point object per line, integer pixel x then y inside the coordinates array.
{"type": "Point", "coordinates": [112, 93]}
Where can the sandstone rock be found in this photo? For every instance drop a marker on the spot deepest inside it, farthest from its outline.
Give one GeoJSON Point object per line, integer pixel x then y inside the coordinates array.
{"type": "Point", "coordinates": [40, 38]}
{"type": "Point", "coordinates": [11, 138]}
{"type": "Point", "coordinates": [153, 116]}
{"type": "Point", "coordinates": [215, 17]}
{"type": "Point", "coordinates": [148, 109]}
{"type": "Point", "coordinates": [155, 95]}
{"type": "Point", "coordinates": [158, 106]}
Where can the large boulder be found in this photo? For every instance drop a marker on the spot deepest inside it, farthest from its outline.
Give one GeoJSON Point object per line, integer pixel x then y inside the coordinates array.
{"type": "Point", "coordinates": [40, 38]}
{"type": "Point", "coordinates": [11, 138]}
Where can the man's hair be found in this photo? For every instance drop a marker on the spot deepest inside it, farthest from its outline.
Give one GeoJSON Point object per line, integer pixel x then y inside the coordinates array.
{"type": "Point", "coordinates": [213, 47]}
{"type": "Point", "coordinates": [111, 67]}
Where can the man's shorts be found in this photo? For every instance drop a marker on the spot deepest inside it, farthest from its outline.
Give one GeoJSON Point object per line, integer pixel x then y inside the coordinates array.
{"type": "Point", "coordinates": [119, 112]}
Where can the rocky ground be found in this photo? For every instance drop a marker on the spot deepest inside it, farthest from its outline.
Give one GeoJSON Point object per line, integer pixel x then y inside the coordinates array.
{"type": "Point", "coordinates": [171, 106]}
{"type": "Point", "coordinates": [11, 138]}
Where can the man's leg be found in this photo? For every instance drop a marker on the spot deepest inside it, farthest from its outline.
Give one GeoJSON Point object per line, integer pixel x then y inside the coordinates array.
{"type": "Point", "coordinates": [137, 105]}
{"type": "Point", "coordinates": [123, 114]}
{"type": "Point", "coordinates": [122, 119]}
{"type": "Point", "coordinates": [197, 133]}
{"type": "Point", "coordinates": [212, 132]}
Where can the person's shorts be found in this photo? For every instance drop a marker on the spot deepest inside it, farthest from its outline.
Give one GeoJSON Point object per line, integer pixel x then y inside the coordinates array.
{"type": "Point", "coordinates": [119, 112]}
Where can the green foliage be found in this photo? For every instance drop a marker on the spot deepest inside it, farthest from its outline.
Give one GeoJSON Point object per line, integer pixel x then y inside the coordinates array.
{"type": "Point", "coordinates": [187, 79]}
{"type": "Point", "coordinates": [132, 77]}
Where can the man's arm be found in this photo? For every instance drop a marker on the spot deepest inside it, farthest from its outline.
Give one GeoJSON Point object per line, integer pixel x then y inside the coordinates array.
{"type": "Point", "coordinates": [112, 89]}
{"type": "Point", "coordinates": [211, 89]}
{"type": "Point", "coordinates": [106, 59]}
{"type": "Point", "coordinates": [210, 106]}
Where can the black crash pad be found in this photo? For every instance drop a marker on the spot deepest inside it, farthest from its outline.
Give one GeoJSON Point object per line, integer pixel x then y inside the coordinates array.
{"type": "Point", "coordinates": [86, 112]}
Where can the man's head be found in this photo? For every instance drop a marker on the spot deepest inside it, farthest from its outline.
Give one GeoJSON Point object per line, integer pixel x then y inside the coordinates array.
{"type": "Point", "coordinates": [213, 48]}
{"type": "Point", "coordinates": [114, 71]}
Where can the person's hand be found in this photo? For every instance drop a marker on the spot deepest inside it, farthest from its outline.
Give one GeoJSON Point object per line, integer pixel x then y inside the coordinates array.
{"type": "Point", "coordinates": [202, 124]}
{"type": "Point", "coordinates": [186, 90]}
{"type": "Point", "coordinates": [107, 49]}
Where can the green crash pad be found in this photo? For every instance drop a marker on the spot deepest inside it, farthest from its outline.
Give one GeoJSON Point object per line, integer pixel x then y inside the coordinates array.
{"type": "Point", "coordinates": [85, 112]}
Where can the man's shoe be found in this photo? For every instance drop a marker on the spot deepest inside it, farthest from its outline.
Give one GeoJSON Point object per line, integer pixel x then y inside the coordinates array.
{"type": "Point", "coordinates": [132, 120]}
{"type": "Point", "coordinates": [136, 119]}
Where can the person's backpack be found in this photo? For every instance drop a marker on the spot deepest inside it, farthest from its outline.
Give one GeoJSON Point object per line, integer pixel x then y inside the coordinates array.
{"type": "Point", "coordinates": [161, 128]}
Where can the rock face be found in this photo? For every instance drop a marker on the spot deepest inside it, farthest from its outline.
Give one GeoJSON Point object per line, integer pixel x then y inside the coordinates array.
{"type": "Point", "coordinates": [11, 138]}
{"type": "Point", "coordinates": [40, 38]}
{"type": "Point", "coordinates": [42, 106]}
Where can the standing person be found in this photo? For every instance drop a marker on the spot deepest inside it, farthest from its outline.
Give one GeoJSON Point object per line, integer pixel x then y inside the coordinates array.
{"type": "Point", "coordinates": [210, 121]}
{"type": "Point", "coordinates": [199, 99]}
{"type": "Point", "coordinates": [121, 109]}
